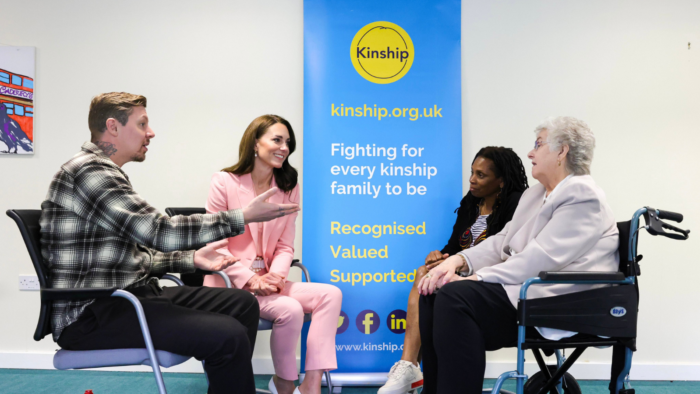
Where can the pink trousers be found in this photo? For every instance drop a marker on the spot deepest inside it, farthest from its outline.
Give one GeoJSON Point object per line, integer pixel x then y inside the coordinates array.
{"type": "Point", "coordinates": [286, 310]}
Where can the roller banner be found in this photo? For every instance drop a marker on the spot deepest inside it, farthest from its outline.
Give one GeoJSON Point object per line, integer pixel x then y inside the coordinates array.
{"type": "Point", "coordinates": [382, 159]}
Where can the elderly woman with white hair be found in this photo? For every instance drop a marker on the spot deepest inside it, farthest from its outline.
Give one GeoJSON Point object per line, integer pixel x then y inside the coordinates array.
{"type": "Point", "coordinates": [561, 224]}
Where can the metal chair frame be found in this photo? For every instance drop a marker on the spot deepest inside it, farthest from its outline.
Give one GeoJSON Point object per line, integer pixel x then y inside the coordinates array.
{"type": "Point", "coordinates": [263, 324]}
{"type": "Point", "coordinates": [28, 224]}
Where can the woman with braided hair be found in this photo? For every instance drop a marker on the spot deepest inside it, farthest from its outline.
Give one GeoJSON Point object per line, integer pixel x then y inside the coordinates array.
{"type": "Point", "coordinates": [497, 181]}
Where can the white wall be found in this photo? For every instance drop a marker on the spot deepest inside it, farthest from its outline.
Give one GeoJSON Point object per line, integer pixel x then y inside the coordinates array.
{"type": "Point", "coordinates": [625, 68]}
{"type": "Point", "coordinates": [208, 69]}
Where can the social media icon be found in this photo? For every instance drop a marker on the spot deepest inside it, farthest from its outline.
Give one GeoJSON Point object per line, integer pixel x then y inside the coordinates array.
{"type": "Point", "coordinates": [343, 322]}
{"type": "Point", "coordinates": [367, 321]}
{"type": "Point", "coordinates": [396, 321]}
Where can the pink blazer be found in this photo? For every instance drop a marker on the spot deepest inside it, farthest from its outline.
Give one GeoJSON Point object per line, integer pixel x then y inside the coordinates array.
{"type": "Point", "coordinates": [229, 191]}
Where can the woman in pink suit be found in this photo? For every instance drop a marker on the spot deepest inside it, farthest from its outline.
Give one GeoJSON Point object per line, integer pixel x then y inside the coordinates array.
{"type": "Point", "coordinates": [266, 251]}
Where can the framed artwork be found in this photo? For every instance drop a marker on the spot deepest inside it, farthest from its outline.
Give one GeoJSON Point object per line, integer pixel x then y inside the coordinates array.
{"type": "Point", "coordinates": [16, 100]}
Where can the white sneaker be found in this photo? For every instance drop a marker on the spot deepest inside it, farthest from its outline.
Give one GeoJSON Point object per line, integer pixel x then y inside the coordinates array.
{"type": "Point", "coordinates": [404, 377]}
{"type": "Point", "coordinates": [273, 389]}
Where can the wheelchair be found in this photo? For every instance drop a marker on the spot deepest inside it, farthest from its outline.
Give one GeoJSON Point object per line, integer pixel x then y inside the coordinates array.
{"type": "Point", "coordinates": [602, 317]}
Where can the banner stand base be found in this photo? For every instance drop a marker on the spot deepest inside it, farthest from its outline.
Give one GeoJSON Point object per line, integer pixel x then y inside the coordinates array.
{"type": "Point", "coordinates": [341, 379]}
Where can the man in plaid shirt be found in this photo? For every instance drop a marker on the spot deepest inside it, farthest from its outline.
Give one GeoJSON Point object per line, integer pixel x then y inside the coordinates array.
{"type": "Point", "coordinates": [96, 231]}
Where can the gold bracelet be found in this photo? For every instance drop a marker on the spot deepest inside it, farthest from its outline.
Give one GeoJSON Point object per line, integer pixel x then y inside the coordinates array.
{"type": "Point", "coordinates": [461, 267]}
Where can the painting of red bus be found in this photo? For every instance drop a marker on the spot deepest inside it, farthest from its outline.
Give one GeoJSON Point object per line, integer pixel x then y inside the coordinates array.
{"type": "Point", "coordinates": [16, 112]}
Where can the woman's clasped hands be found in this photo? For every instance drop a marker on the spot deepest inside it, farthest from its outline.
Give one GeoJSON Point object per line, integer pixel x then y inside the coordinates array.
{"type": "Point", "coordinates": [265, 285]}
{"type": "Point", "coordinates": [442, 274]}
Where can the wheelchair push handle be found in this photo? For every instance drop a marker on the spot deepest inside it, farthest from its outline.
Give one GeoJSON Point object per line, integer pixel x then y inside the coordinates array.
{"type": "Point", "coordinates": [655, 226]}
{"type": "Point", "coordinates": [676, 217]}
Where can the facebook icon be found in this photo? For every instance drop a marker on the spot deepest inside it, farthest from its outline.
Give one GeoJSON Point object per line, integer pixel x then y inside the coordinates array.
{"type": "Point", "coordinates": [367, 321]}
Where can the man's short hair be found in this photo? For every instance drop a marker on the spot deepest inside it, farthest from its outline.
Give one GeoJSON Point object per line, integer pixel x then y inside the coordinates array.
{"type": "Point", "coordinates": [117, 105]}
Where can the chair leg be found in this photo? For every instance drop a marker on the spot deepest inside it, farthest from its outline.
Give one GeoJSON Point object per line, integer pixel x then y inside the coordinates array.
{"type": "Point", "coordinates": [328, 382]}
{"type": "Point", "coordinates": [159, 379]}
{"type": "Point", "coordinates": [620, 381]}
{"type": "Point", "coordinates": [146, 337]}
{"type": "Point", "coordinates": [560, 361]}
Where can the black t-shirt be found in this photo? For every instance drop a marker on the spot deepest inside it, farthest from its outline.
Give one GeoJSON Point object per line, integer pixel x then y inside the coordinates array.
{"type": "Point", "coordinates": [466, 216]}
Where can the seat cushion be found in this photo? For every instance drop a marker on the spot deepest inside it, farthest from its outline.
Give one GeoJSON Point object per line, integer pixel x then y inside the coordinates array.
{"type": "Point", "coordinates": [71, 359]}
{"type": "Point", "coordinates": [264, 325]}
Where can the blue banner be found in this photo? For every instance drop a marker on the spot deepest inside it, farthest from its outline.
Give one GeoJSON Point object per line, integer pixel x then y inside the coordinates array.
{"type": "Point", "coordinates": [382, 159]}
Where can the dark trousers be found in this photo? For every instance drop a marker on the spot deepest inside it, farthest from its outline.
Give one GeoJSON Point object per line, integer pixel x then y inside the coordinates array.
{"type": "Point", "coordinates": [216, 325]}
{"type": "Point", "coordinates": [457, 326]}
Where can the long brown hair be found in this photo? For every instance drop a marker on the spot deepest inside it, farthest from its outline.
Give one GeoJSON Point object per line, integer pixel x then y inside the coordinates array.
{"type": "Point", "coordinates": [285, 177]}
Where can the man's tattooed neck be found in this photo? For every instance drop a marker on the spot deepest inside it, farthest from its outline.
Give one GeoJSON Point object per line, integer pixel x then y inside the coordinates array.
{"type": "Point", "coordinates": [108, 148]}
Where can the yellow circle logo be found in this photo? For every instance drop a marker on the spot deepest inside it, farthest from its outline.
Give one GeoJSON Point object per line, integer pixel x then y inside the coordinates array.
{"type": "Point", "coordinates": [382, 52]}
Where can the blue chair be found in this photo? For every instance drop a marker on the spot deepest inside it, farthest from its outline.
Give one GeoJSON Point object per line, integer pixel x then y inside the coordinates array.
{"type": "Point", "coordinates": [602, 317]}
{"type": "Point", "coordinates": [28, 224]}
{"type": "Point", "coordinates": [197, 279]}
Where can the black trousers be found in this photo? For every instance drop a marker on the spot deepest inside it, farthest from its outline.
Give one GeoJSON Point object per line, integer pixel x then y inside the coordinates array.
{"type": "Point", "coordinates": [457, 326]}
{"type": "Point", "coordinates": [216, 325]}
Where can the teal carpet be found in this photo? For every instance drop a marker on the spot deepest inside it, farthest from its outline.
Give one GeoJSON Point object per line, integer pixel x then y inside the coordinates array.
{"type": "Point", "coordinates": [27, 381]}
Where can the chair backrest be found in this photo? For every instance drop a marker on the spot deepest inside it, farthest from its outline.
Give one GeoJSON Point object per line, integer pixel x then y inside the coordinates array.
{"type": "Point", "coordinates": [28, 222]}
{"type": "Point", "coordinates": [185, 211]}
{"type": "Point", "coordinates": [194, 280]}
{"type": "Point", "coordinates": [629, 268]}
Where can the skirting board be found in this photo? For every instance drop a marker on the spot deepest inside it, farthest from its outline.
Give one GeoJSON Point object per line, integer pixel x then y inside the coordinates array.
{"type": "Point", "coordinates": [263, 366]}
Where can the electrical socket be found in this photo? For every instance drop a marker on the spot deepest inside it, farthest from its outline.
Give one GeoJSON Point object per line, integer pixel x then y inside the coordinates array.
{"type": "Point", "coordinates": [28, 283]}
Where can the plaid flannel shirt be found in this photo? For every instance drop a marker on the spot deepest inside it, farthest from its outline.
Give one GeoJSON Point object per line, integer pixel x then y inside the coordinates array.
{"type": "Point", "coordinates": [97, 232]}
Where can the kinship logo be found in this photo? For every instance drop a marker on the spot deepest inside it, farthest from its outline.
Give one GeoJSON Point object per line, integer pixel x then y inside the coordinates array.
{"type": "Point", "coordinates": [397, 321]}
{"type": "Point", "coordinates": [343, 323]}
{"type": "Point", "coordinates": [382, 52]}
{"type": "Point", "coordinates": [367, 321]}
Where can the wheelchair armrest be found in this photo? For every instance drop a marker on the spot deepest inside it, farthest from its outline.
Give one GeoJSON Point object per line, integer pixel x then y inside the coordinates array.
{"type": "Point", "coordinates": [585, 276]}
{"type": "Point", "coordinates": [77, 294]}
{"type": "Point", "coordinates": [296, 263]}
{"type": "Point", "coordinates": [202, 272]}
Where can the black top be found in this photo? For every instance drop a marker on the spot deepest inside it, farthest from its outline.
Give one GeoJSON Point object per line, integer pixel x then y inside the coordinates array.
{"type": "Point", "coordinates": [466, 216]}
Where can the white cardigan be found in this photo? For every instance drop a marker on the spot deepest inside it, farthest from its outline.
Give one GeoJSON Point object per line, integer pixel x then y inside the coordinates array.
{"type": "Point", "coordinates": [574, 230]}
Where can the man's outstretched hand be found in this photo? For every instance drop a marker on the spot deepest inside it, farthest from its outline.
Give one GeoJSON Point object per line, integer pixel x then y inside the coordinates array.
{"type": "Point", "coordinates": [208, 259]}
{"type": "Point", "coordinates": [258, 210]}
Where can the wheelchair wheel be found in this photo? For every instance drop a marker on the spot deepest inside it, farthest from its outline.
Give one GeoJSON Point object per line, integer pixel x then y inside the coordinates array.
{"type": "Point", "coordinates": [538, 380]}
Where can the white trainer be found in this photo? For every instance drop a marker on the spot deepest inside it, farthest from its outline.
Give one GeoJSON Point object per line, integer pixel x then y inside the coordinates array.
{"type": "Point", "coordinates": [404, 377]}
{"type": "Point", "coordinates": [273, 389]}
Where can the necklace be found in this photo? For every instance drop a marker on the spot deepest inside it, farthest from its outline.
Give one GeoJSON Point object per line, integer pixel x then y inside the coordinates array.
{"type": "Point", "coordinates": [481, 207]}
